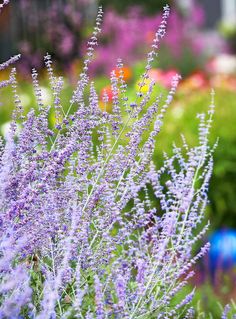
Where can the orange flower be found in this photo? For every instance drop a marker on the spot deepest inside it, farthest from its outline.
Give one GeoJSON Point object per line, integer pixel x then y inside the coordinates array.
{"type": "Point", "coordinates": [127, 72]}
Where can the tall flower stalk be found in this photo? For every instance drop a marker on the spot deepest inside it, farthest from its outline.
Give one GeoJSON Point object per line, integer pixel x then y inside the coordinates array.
{"type": "Point", "coordinates": [81, 233]}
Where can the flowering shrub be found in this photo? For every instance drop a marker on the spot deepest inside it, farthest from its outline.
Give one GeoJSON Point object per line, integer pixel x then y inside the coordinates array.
{"type": "Point", "coordinates": [54, 27]}
{"type": "Point", "coordinates": [81, 234]}
{"type": "Point", "coordinates": [183, 41]}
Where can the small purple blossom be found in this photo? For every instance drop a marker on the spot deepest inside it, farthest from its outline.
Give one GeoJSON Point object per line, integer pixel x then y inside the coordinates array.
{"type": "Point", "coordinates": [12, 60]}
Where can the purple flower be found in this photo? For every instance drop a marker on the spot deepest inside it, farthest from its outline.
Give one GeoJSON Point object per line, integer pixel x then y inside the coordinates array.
{"type": "Point", "coordinates": [80, 232]}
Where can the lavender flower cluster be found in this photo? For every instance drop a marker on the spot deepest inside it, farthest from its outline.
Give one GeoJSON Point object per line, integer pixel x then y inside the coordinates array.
{"type": "Point", "coordinates": [90, 227]}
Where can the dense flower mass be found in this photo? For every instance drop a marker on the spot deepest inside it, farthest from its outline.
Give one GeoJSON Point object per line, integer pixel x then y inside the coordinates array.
{"type": "Point", "coordinates": [90, 227]}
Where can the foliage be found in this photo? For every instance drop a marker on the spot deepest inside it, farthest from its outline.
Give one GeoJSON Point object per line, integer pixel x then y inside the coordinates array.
{"type": "Point", "coordinates": [208, 304]}
{"type": "Point", "coordinates": [229, 32]}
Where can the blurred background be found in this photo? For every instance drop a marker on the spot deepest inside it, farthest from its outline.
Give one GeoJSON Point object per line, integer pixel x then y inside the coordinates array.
{"type": "Point", "coordinates": [200, 45]}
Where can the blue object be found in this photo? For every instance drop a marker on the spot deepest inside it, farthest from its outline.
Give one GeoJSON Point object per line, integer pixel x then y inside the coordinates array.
{"type": "Point", "coordinates": [222, 252]}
